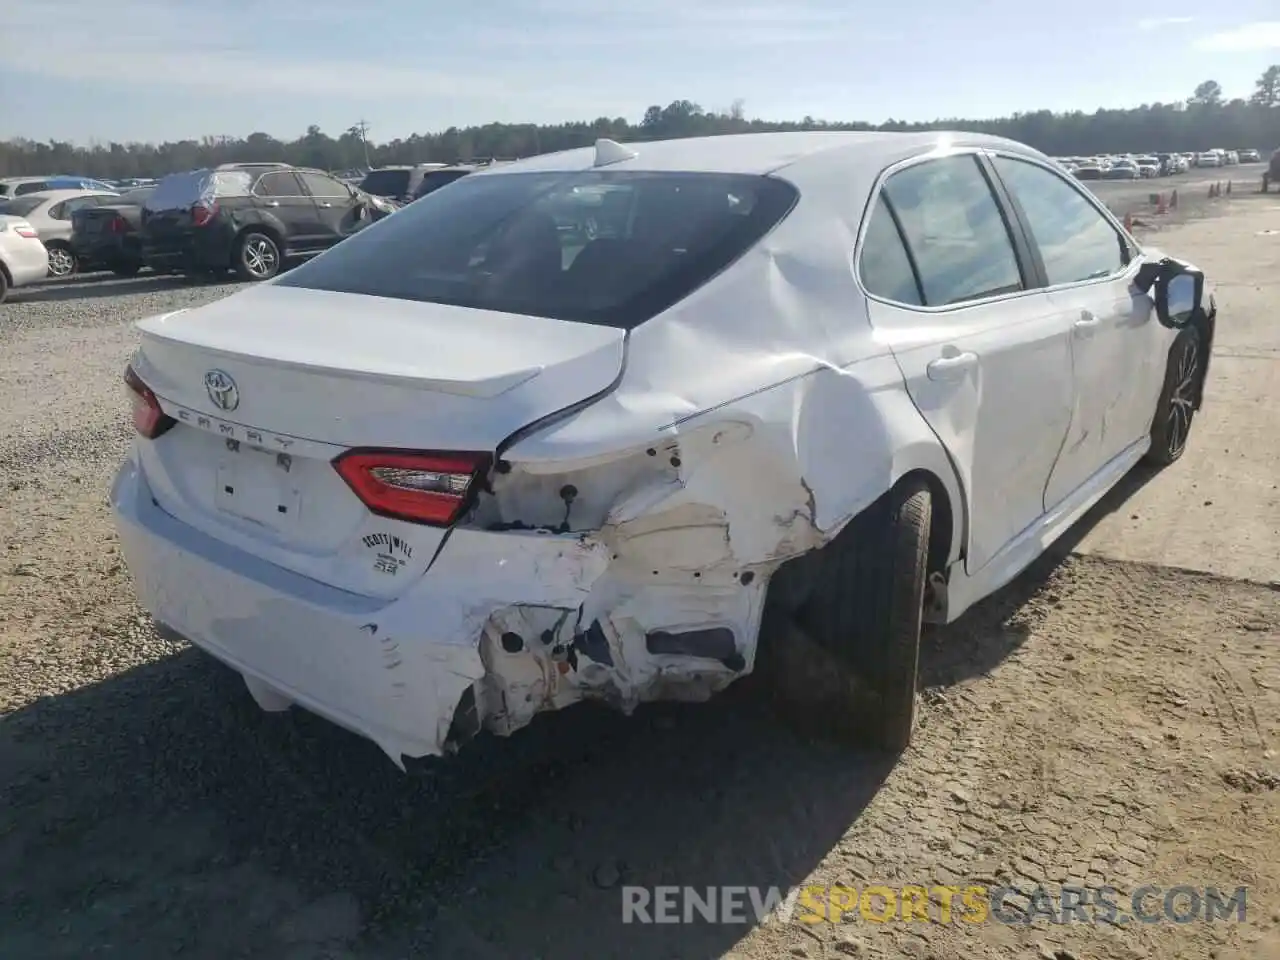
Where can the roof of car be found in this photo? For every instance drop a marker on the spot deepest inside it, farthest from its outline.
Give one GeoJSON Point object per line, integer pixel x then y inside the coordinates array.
{"type": "Point", "coordinates": [59, 195]}
{"type": "Point", "coordinates": [760, 153]}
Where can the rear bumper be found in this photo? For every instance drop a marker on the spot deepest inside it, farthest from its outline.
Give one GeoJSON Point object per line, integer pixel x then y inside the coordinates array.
{"type": "Point", "coordinates": [396, 671]}
{"type": "Point", "coordinates": [107, 250]}
{"type": "Point", "coordinates": [27, 263]}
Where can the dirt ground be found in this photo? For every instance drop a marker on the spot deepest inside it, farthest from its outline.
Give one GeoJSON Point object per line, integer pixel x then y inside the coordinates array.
{"type": "Point", "coordinates": [1111, 719]}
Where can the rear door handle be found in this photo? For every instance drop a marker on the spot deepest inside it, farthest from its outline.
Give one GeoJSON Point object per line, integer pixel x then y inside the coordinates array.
{"type": "Point", "coordinates": [271, 203]}
{"type": "Point", "coordinates": [325, 203]}
{"type": "Point", "coordinates": [1087, 324]}
{"type": "Point", "coordinates": [951, 368]}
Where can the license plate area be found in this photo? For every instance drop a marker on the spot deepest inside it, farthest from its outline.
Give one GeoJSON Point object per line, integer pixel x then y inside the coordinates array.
{"type": "Point", "coordinates": [257, 485]}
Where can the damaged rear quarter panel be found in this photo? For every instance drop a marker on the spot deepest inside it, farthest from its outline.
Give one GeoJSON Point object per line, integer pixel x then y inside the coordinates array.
{"type": "Point", "coordinates": [752, 420]}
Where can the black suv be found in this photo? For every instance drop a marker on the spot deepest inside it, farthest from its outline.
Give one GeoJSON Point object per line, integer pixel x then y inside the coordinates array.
{"type": "Point", "coordinates": [400, 183]}
{"type": "Point", "coordinates": [248, 217]}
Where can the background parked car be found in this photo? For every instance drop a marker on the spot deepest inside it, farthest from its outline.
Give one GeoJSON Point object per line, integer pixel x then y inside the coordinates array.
{"type": "Point", "coordinates": [436, 179]}
{"type": "Point", "coordinates": [250, 218]}
{"type": "Point", "coordinates": [19, 186]}
{"type": "Point", "coordinates": [107, 235]}
{"type": "Point", "coordinates": [398, 183]}
{"type": "Point", "coordinates": [23, 258]}
{"type": "Point", "coordinates": [50, 213]}
{"type": "Point", "coordinates": [1123, 169]}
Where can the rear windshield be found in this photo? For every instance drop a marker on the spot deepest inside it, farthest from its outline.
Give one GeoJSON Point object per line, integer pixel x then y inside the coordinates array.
{"type": "Point", "coordinates": [179, 191]}
{"type": "Point", "coordinates": [436, 179]}
{"type": "Point", "coordinates": [386, 183]}
{"type": "Point", "coordinates": [20, 206]}
{"type": "Point", "coordinates": [590, 246]}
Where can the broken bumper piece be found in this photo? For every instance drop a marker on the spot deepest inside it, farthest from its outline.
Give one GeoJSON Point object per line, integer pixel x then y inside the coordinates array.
{"type": "Point", "coordinates": [502, 627]}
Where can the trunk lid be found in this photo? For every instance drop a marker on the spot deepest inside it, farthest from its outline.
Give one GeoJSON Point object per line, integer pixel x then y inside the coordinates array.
{"type": "Point", "coordinates": [270, 384]}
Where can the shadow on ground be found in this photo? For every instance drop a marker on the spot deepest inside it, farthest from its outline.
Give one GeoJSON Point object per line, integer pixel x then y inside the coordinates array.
{"type": "Point", "coordinates": [95, 286]}
{"type": "Point", "coordinates": [160, 814]}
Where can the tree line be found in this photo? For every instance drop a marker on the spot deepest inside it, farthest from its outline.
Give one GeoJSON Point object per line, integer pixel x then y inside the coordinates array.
{"type": "Point", "coordinates": [1204, 121]}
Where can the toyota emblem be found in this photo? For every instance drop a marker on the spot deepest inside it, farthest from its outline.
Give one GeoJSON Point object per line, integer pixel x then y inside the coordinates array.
{"type": "Point", "coordinates": [222, 390]}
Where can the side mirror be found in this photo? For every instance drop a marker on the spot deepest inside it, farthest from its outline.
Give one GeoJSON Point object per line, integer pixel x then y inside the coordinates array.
{"type": "Point", "coordinates": [1176, 287]}
{"type": "Point", "coordinates": [1181, 300]}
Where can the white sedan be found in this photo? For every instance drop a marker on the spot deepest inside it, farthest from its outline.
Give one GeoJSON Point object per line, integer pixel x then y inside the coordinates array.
{"type": "Point", "coordinates": [478, 462]}
{"type": "Point", "coordinates": [23, 258]}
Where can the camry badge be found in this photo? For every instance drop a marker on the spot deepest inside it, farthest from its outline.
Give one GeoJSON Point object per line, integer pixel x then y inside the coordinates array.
{"type": "Point", "coordinates": [222, 390]}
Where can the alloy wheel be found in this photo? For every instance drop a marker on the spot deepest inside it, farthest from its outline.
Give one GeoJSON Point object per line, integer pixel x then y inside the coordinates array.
{"type": "Point", "coordinates": [1182, 399]}
{"type": "Point", "coordinates": [259, 257]}
{"type": "Point", "coordinates": [61, 263]}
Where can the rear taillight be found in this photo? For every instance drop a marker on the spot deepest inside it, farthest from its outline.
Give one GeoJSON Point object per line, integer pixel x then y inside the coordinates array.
{"type": "Point", "coordinates": [148, 419]}
{"type": "Point", "coordinates": [118, 225]}
{"type": "Point", "coordinates": [26, 231]}
{"type": "Point", "coordinates": [430, 488]}
{"type": "Point", "coordinates": [202, 213]}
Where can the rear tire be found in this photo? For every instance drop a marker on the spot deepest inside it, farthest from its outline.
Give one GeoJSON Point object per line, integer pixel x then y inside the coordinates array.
{"type": "Point", "coordinates": [851, 660]}
{"type": "Point", "coordinates": [62, 262]}
{"type": "Point", "coordinates": [1176, 407]}
{"type": "Point", "coordinates": [256, 257]}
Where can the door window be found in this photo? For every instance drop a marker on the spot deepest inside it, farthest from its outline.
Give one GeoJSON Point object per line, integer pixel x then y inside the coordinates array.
{"type": "Point", "coordinates": [954, 230]}
{"type": "Point", "coordinates": [278, 185]}
{"type": "Point", "coordinates": [321, 186]}
{"type": "Point", "coordinates": [64, 210]}
{"type": "Point", "coordinates": [1076, 242]}
{"type": "Point", "coordinates": [884, 266]}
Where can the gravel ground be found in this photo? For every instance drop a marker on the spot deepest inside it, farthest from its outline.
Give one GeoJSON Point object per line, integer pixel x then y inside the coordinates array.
{"type": "Point", "coordinates": [1099, 722]}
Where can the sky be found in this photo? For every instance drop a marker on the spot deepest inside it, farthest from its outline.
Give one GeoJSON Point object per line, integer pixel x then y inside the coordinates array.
{"type": "Point", "coordinates": [126, 70]}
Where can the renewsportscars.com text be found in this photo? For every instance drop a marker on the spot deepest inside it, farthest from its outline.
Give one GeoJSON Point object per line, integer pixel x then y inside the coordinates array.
{"type": "Point", "coordinates": [931, 904]}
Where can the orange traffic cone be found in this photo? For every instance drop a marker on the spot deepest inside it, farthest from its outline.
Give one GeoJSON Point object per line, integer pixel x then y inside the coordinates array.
{"type": "Point", "coordinates": [1173, 200]}
{"type": "Point", "coordinates": [1128, 221]}
{"type": "Point", "coordinates": [1161, 207]}
{"type": "Point", "coordinates": [1228, 188]}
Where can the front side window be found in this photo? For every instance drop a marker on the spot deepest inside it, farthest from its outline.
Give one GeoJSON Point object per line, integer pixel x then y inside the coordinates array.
{"type": "Point", "coordinates": [319, 185]}
{"type": "Point", "coordinates": [884, 265]}
{"type": "Point", "coordinates": [1076, 242]}
{"type": "Point", "coordinates": [955, 230]}
{"type": "Point", "coordinates": [525, 243]}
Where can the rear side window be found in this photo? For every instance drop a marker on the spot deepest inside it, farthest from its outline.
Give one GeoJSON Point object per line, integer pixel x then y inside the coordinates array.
{"type": "Point", "coordinates": [278, 185]}
{"type": "Point", "coordinates": [20, 206]}
{"type": "Point", "coordinates": [1076, 241]}
{"type": "Point", "coordinates": [884, 265]}
{"type": "Point", "coordinates": [539, 244]}
{"type": "Point", "coordinates": [436, 179]}
{"type": "Point", "coordinates": [386, 183]}
{"type": "Point", "coordinates": [955, 230]}
{"type": "Point", "coordinates": [22, 188]}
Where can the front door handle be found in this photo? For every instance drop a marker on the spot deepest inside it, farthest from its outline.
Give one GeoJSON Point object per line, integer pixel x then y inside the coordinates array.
{"type": "Point", "coordinates": [1087, 324]}
{"type": "Point", "coordinates": [952, 367]}
{"type": "Point", "coordinates": [271, 203]}
{"type": "Point", "coordinates": [325, 203]}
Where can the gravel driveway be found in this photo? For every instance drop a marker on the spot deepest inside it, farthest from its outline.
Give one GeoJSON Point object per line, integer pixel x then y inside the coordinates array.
{"type": "Point", "coordinates": [1106, 720]}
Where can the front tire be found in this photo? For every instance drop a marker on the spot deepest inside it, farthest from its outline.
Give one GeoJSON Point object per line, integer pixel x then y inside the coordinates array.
{"type": "Point", "coordinates": [4, 286]}
{"type": "Point", "coordinates": [1176, 407]}
{"type": "Point", "coordinates": [257, 257]}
